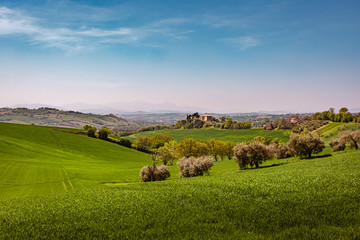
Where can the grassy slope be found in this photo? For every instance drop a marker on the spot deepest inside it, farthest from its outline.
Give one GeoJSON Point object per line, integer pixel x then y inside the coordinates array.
{"type": "Point", "coordinates": [332, 130]}
{"type": "Point", "coordinates": [36, 160]}
{"type": "Point", "coordinates": [220, 134]}
{"type": "Point", "coordinates": [284, 199]}
{"type": "Point", "coordinates": [308, 199]}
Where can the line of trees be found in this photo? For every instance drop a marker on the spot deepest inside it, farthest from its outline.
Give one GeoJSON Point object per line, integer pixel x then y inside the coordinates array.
{"type": "Point", "coordinates": [194, 148]}
{"type": "Point", "coordinates": [166, 150]}
{"type": "Point", "coordinates": [104, 134]}
{"type": "Point", "coordinates": [300, 124]}
{"type": "Point", "coordinates": [343, 116]}
{"type": "Point", "coordinates": [194, 121]}
{"type": "Point", "coordinates": [150, 144]}
{"type": "Point", "coordinates": [196, 157]}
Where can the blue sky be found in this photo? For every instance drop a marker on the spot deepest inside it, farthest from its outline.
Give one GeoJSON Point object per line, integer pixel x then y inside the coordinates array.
{"type": "Point", "coordinates": [218, 55]}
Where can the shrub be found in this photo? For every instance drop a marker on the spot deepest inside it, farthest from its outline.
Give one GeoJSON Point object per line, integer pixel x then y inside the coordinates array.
{"type": "Point", "coordinates": [103, 133]}
{"type": "Point", "coordinates": [153, 173]}
{"type": "Point", "coordinates": [264, 140]}
{"type": "Point", "coordinates": [252, 154]}
{"type": "Point", "coordinates": [280, 151]}
{"type": "Point", "coordinates": [337, 145]}
{"type": "Point", "coordinates": [304, 145]}
{"type": "Point", "coordinates": [351, 137]}
{"type": "Point", "coordinates": [86, 127]}
{"type": "Point", "coordinates": [124, 142]}
{"type": "Point", "coordinates": [192, 167]}
{"type": "Point", "coordinates": [90, 130]}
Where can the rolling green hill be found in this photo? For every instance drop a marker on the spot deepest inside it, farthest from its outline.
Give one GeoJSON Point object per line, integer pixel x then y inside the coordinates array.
{"type": "Point", "coordinates": [60, 118]}
{"type": "Point", "coordinates": [332, 130]}
{"type": "Point", "coordinates": [36, 160]}
{"type": "Point", "coordinates": [307, 199]}
{"type": "Point", "coordinates": [214, 133]}
{"type": "Point", "coordinates": [51, 187]}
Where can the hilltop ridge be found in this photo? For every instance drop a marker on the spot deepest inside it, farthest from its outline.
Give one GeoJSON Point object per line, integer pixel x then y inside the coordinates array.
{"type": "Point", "coordinates": [46, 116]}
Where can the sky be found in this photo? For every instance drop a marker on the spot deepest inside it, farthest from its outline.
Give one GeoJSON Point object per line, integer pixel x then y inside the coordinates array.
{"type": "Point", "coordinates": [235, 56]}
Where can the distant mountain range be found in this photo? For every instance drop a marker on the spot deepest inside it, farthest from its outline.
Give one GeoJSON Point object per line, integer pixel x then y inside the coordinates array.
{"type": "Point", "coordinates": [137, 107]}
{"type": "Point", "coordinates": [120, 107]}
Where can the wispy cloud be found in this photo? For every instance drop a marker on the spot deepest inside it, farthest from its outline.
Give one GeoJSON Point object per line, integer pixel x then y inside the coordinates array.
{"type": "Point", "coordinates": [242, 43]}
{"type": "Point", "coordinates": [221, 21]}
{"type": "Point", "coordinates": [14, 22]}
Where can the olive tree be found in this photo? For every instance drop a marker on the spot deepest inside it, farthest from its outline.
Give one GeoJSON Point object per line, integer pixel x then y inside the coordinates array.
{"type": "Point", "coordinates": [154, 173]}
{"type": "Point", "coordinates": [304, 145]}
{"type": "Point", "coordinates": [337, 144]}
{"type": "Point", "coordinates": [351, 137]}
{"type": "Point", "coordinates": [252, 154]}
{"type": "Point", "coordinates": [192, 167]}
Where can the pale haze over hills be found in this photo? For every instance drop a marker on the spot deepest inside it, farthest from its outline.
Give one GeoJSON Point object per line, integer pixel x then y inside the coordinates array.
{"type": "Point", "coordinates": [139, 106]}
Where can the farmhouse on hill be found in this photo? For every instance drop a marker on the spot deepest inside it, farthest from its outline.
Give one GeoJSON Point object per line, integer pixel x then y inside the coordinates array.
{"type": "Point", "coordinates": [206, 118]}
{"type": "Point", "coordinates": [294, 120]}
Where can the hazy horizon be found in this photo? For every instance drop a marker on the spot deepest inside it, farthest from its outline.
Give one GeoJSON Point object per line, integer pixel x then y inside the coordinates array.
{"type": "Point", "coordinates": [166, 107]}
{"type": "Point", "coordinates": [222, 56]}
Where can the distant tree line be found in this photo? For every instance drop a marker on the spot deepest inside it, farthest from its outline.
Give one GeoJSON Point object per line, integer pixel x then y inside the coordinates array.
{"type": "Point", "coordinates": [312, 122]}
{"type": "Point", "coordinates": [196, 157]}
{"type": "Point", "coordinates": [194, 121]}
{"type": "Point", "coordinates": [343, 116]}
{"type": "Point", "coordinates": [104, 134]}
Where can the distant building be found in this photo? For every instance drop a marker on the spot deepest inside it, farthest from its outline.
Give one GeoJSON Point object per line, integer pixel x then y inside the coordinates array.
{"type": "Point", "coordinates": [206, 118]}
{"type": "Point", "coordinates": [294, 120]}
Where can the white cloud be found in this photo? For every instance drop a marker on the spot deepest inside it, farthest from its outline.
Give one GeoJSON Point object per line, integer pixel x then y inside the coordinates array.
{"type": "Point", "coordinates": [242, 43]}
{"type": "Point", "coordinates": [71, 40]}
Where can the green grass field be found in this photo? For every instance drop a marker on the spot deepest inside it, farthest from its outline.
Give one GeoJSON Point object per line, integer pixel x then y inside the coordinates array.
{"type": "Point", "coordinates": [219, 134]}
{"type": "Point", "coordinates": [307, 199]}
{"type": "Point", "coordinates": [50, 187]}
{"type": "Point", "coordinates": [36, 160]}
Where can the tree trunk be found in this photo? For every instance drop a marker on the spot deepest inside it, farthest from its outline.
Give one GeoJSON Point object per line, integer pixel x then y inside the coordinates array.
{"type": "Point", "coordinates": [355, 144]}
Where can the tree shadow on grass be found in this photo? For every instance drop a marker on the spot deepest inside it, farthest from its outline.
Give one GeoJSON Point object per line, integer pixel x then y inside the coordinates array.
{"type": "Point", "coordinates": [321, 156]}
{"type": "Point", "coordinates": [268, 166]}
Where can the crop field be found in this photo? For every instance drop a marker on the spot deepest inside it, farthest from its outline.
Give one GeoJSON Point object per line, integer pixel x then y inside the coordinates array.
{"type": "Point", "coordinates": [36, 160]}
{"type": "Point", "coordinates": [219, 134]}
{"type": "Point", "coordinates": [308, 199]}
{"type": "Point", "coordinates": [51, 187]}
